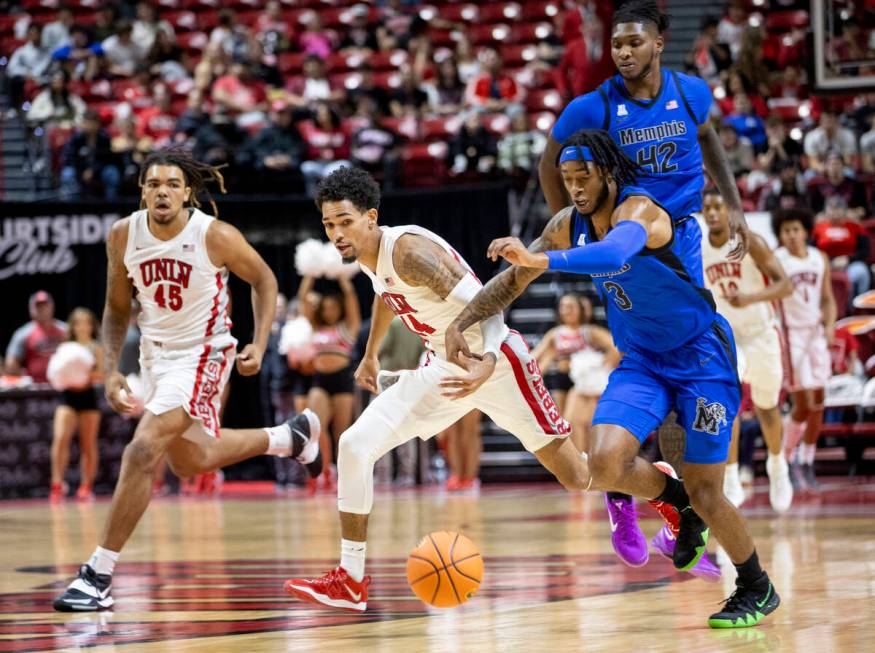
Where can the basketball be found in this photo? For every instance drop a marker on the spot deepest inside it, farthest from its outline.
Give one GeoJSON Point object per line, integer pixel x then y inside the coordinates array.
{"type": "Point", "coordinates": [445, 569]}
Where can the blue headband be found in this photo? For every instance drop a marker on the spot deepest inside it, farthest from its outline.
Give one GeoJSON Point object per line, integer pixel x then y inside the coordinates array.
{"type": "Point", "coordinates": [573, 153]}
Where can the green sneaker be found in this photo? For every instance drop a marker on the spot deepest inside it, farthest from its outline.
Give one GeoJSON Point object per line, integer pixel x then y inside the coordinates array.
{"type": "Point", "coordinates": [745, 608]}
{"type": "Point", "coordinates": [691, 540]}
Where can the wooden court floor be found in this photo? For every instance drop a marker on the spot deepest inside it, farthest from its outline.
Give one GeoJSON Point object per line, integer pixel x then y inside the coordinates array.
{"type": "Point", "coordinates": [206, 575]}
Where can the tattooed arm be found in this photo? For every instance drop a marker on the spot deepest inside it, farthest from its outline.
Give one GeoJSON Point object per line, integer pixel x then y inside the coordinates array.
{"type": "Point", "coordinates": [422, 262]}
{"type": "Point", "coordinates": [116, 313]}
{"type": "Point", "coordinates": [503, 288]}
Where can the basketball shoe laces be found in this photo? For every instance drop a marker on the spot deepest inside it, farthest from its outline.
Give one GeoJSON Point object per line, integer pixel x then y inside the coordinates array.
{"type": "Point", "coordinates": [333, 583]}
{"type": "Point", "coordinates": [741, 600]}
{"type": "Point", "coordinates": [625, 525]}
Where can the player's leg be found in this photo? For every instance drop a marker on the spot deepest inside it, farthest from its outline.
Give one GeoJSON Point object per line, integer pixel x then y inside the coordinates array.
{"type": "Point", "coordinates": [341, 413]}
{"type": "Point", "coordinates": [472, 446]}
{"type": "Point", "coordinates": [575, 412]}
{"type": "Point", "coordinates": [808, 446]}
{"type": "Point", "coordinates": [89, 423]}
{"type": "Point", "coordinates": [319, 401]}
{"type": "Point", "coordinates": [731, 481]}
{"type": "Point", "coordinates": [63, 426]}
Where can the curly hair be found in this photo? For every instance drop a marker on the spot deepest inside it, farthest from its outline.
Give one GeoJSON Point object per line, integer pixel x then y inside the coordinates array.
{"type": "Point", "coordinates": [349, 183]}
{"type": "Point", "coordinates": [197, 175]}
{"type": "Point", "coordinates": [803, 216]}
{"type": "Point", "coordinates": [606, 154]}
{"type": "Point", "coordinates": [641, 11]}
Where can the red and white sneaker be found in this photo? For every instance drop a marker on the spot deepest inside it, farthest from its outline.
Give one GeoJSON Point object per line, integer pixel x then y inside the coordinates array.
{"type": "Point", "coordinates": [667, 511]}
{"type": "Point", "coordinates": [336, 589]}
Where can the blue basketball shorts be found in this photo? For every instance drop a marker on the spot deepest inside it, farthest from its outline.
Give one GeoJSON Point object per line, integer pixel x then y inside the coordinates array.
{"type": "Point", "coordinates": [699, 380]}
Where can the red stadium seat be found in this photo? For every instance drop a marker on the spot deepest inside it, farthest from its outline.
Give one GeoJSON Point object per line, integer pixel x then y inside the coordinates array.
{"type": "Point", "coordinates": [440, 37]}
{"type": "Point", "coordinates": [499, 12]}
{"type": "Point", "coordinates": [544, 101]}
{"type": "Point", "coordinates": [540, 10]}
{"type": "Point", "coordinates": [542, 120]}
{"type": "Point", "coordinates": [439, 129]}
{"type": "Point", "coordinates": [291, 62]}
{"type": "Point", "coordinates": [181, 20]}
{"type": "Point", "coordinates": [404, 127]}
{"type": "Point", "coordinates": [207, 20]}
{"type": "Point", "coordinates": [784, 21]}
{"type": "Point", "coordinates": [518, 54]}
{"type": "Point", "coordinates": [490, 35]}
{"type": "Point", "coordinates": [389, 60]}
{"type": "Point", "coordinates": [423, 164]}
{"type": "Point", "coordinates": [341, 62]}
{"type": "Point", "coordinates": [530, 32]}
{"type": "Point", "coordinates": [388, 80]}
{"type": "Point", "coordinates": [193, 41]}
{"type": "Point", "coordinates": [497, 123]}
{"type": "Point", "coordinates": [841, 289]}
{"type": "Point", "coordinates": [460, 13]}
{"type": "Point", "coordinates": [168, 4]}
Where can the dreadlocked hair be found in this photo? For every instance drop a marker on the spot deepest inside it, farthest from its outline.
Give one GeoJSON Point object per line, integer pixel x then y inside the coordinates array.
{"type": "Point", "coordinates": [606, 154]}
{"type": "Point", "coordinates": [197, 175]}
{"type": "Point", "coordinates": [641, 11]}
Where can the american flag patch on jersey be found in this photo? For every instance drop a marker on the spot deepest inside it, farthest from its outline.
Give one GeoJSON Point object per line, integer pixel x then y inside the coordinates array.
{"type": "Point", "coordinates": [187, 247]}
{"type": "Point", "coordinates": [671, 104]}
{"type": "Point", "coordinates": [389, 281]}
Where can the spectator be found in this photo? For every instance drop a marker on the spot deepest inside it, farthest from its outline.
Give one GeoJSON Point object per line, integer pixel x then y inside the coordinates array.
{"type": "Point", "coordinates": [31, 62]}
{"type": "Point", "coordinates": [408, 99]}
{"type": "Point", "coordinates": [241, 94]}
{"type": "Point", "coordinates": [157, 122]}
{"type": "Point", "coordinates": [731, 28]}
{"type": "Point", "coordinates": [130, 152]}
{"type": "Point", "coordinates": [473, 148]}
{"type": "Point", "coordinates": [867, 148]}
{"type": "Point", "coordinates": [367, 88]}
{"type": "Point", "coordinates": [751, 62]}
{"type": "Point", "coordinates": [845, 242]}
{"type": "Point", "coordinates": [376, 150]}
{"type": "Point", "coordinates": [446, 92]}
{"type": "Point", "coordinates": [360, 38]}
{"type": "Point", "coordinates": [862, 112]}
{"type": "Point", "coordinates": [493, 89]}
{"type": "Point", "coordinates": [166, 59]}
{"type": "Point", "coordinates": [520, 150]}
{"type": "Point", "coordinates": [779, 146]}
{"type": "Point", "coordinates": [850, 46]}
{"type": "Point", "coordinates": [844, 352]}
{"type": "Point", "coordinates": [276, 152]}
{"type": "Point", "coordinates": [791, 84]}
{"type": "Point", "coordinates": [313, 86]}
{"type": "Point", "coordinates": [121, 53]}
{"type": "Point", "coordinates": [147, 26]}
{"type": "Point", "coordinates": [738, 149]}
{"type": "Point", "coordinates": [747, 124]}
{"type": "Point", "coordinates": [328, 146]}
{"type": "Point", "coordinates": [315, 39]}
{"type": "Point", "coordinates": [467, 62]}
{"type": "Point", "coordinates": [215, 64]}
{"type": "Point", "coordinates": [217, 141]}
{"type": "Point", "coordinates": [826, 137]}
{"type": "Point", "coordinates": [836, 182]}
{"type": "Point", "coordinates": [708, 56]}
{"type": "Point", "coordinates": [89, 165]}
{"type": "Point", "coordinates": [104, 23]}
{"type": "Point", "coordinates": [787, 191]}
{"type": "Point", "coordinates": [230, 35]}
{"type": "Point", "coordinates": [55, 106]}
{"type": "Point", "coordinates": [80, 57]}
{"type": "Point", "coordinates": [396, 24]}
{"type": "Point", "coordinates": [736, 86]}
{"type": "Point", "coordinates": [193, 118]}
{"type": "Point", "coordinates": [271, 29]}
{"type": "Point", "coordinates": [33, 344]}
{"type": "Point", "coordinates": [57, 33]}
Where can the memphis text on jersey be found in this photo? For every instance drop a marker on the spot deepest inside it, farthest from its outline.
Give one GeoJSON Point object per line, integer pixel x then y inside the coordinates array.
{"type": "Point", "coordinates": [634, 135]}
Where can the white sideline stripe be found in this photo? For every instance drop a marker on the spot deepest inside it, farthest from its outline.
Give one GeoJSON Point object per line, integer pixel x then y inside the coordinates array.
{"type": "Point", "coordinates": [335, 603]}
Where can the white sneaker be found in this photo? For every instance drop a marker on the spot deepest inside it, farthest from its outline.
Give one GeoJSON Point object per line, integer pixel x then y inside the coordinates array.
{"type": "Point", "coordinates": [732, 486]}
{"type": "Point", "coordinates": [780, 487]}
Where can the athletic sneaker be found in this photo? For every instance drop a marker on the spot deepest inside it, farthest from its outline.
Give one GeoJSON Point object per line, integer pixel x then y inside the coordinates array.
{"type": "Point", "coordinates": [628, 540]}
{"type": "Point", "coordinates": [797, 478]}
{"type": "Point", "coordinates": [732, 487]}
{"type": "Point", "coordinates": [691, 540]}
{"type": "Point", "coordinates": [89, 592]}
{"type": "Point", "coordinates": [306, 431]}
{"type": "Point", "coordinates": [780, 487]}
{"type": "Point", "coordinates": [667, 511]}
{"type": "Point", "coordinates": [336, 589]}
{"type": "Point", "coordinates": [746, 607]}
{"type": "Point", "coordinates": [84, 493]}
{"type": "Point", "coordinates": [664, 542]}
{"type": "Point", "coordinates": [810, 478]}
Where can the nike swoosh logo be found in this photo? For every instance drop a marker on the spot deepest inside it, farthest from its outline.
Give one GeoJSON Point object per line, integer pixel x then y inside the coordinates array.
{"type": "Point", "coordinates": [355, 596]}
{"type": "Point", "coordinates": [613, 525]}
{"type": "Point", "coordinates": [80, 601]}
{"type": "Point", "coordinates": [765, 600]}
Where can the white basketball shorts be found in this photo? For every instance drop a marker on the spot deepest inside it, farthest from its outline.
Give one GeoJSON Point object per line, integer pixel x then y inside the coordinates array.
{"type": "Point", "coordinates": [192, 378]}
{"type": "Point", "coordinates": [808, 361]}
{"type": "Point", "coordinates": [764, 369]}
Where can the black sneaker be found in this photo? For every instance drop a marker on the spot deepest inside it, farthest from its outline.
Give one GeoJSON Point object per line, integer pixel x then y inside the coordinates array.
{"type": "Point", "coordinates": [306, 431]}
{"type": "Point", "coordinates": [691, 540]}
{"type": "Point", "coordinates": [746, 607]}
{"type": "Point", "coordinates": [89, 592]}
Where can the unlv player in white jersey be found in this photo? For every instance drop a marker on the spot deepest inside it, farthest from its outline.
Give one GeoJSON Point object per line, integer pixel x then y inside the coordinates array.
{"type": "Point", "coordinates": [178, 259]}
{"type": "Point", "coordinates": [744, 291]}
{"type": "Point", "coordinates": [809, 317]}
{"type": "Point", "coordinates": [420, 278]}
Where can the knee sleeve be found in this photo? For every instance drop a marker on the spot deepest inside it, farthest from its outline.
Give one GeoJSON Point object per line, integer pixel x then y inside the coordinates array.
{"type": "Point", "coordinates": [360, 447]}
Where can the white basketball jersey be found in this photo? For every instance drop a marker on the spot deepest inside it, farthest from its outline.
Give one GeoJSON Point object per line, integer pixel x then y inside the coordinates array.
{"type": "Point", "coordinates": [421, 310]}
{"type": "Point", "coordinates": [802, 308]}
{"type": "Point", "coordinates": [723, 276]}
{"type": "Point", "coordinates": [183, 295]}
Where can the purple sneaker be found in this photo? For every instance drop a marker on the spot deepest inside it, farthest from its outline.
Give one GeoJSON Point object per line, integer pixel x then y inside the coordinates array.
{"type": "Point", "coordinates": [663, 543]}
{"type": "Point", "coordinates": [626, 536]}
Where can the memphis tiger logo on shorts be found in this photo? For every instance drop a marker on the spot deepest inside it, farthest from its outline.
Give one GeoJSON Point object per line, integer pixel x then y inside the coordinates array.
{"type": "Point", "coordinates": [709, 417]}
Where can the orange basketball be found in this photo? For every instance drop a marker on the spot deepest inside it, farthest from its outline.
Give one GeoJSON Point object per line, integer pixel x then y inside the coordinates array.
{"type": "Point", "coordinates": [445, 569]}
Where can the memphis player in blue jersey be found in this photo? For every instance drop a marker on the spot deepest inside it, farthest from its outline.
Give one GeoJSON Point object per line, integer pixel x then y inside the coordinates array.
{"type": "Point", "coordinates": [679, 355]}
{"type": "Point", "coordinates": [660, 120]}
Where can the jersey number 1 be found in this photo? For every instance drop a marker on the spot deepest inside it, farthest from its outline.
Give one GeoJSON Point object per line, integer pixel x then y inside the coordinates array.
{"type": "Point", "coordinates": [173, 301]}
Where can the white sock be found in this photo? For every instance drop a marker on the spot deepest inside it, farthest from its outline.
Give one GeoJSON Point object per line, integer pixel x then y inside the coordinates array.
{"type": "Point", "coordinates": [352, 558]}
{"type": "Point", "coordinates": [103, 560]}
{"type": "Point", "coordinates": [806, 453]}
{"type": "Point", "coordinates": [279, 440]}
{"type": "Point", "coordinates": [731, 470]}
{"type": "Point", "coordinates": [776, 459]}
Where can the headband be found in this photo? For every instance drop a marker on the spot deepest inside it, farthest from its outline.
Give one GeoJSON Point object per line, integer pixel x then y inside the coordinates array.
{"type": "Point", "coordinates": [576, 153]}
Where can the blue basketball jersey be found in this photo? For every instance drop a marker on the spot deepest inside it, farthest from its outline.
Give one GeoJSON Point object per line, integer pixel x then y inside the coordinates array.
{"type": "Point", "coordinates": [652, 302]}
{"type": "Point", "coordinates": [660, 134]}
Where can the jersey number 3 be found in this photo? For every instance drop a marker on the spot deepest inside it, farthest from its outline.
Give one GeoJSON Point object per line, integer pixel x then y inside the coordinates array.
{"type": "Point", "coordinates": [658, 157]}
{"type": "Point", "coordinates": [173, 300]}
{"type": "Point", "coordinates": [621, 299]}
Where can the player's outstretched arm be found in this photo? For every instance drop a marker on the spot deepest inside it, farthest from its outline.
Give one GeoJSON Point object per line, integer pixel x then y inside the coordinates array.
{"type": "Point", "coordinates": [227, 247]}
{"type": "Point", "coordinates": [717, 165]}
{"type": "Point", "coordinates": [779, 285]}
{"type": "Point", "coordinates": [116, 313]}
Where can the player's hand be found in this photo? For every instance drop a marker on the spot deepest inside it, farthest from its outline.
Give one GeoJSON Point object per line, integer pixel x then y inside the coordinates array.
{"type": "Point", "coordinates": [118, 394]}
{"type": "Point", "coordinates": [738, 300]}
{"type": "Point", "coordinates": [456, 345]}
{"type": "Point", "coordinates": [513, 251]}
{"type": "Point", "coordinates": [740, 233]}
{"type": "Point", "coordinates": [249, 360]}
{"type": "Point", "coordinates": [366, 373]}
{"type": "Point", "coordinates": [479, 370]}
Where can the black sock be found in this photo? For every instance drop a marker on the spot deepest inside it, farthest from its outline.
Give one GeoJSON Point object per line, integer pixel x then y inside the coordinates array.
{"type": "Point", "coordinates": [750, 574]}
{"type": "Point", "coordinates": [619, 496]}
{"type": "Point", "coordinates": [674, 493]}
